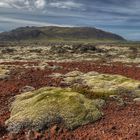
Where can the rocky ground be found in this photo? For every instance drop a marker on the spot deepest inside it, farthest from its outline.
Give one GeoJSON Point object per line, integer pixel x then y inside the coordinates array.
{"type": "Point", "coordinates": [127, 53]}
{"type": "Point", "coordinates": [119, 122]}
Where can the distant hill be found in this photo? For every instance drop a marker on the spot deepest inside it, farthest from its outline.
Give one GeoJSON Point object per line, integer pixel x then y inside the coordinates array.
{"type": "Point", "coordinates": [58, 33]}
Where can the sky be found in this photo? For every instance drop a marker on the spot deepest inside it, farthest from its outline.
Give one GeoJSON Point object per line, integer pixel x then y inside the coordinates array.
{"type": "Point", "coordinates": [118, 16]}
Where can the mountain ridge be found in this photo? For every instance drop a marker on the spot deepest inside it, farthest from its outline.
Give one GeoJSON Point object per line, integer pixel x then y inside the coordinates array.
{"type": "Point", "coordinates": [54, 32]}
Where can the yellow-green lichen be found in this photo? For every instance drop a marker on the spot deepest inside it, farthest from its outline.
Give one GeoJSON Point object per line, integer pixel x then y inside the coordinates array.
{"type": "Point", "coordinates": [3, 73]}
{"type": "Point", "coordinates": [103, 85]}
{"type": "Point", "coordinates": [38, 109]}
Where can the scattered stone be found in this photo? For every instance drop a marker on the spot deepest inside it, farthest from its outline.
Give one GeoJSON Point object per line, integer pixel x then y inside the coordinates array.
{"type": "Point", "coordinates": [119, 100]}
{"type": "Point", "coordinates": [113, 96]}
{"type": "Point", "coordinates": [73, 74]}
{"type": "Point", "coordinates": [136, 100]}
{"type": "Point", "coordinates": [99, 103]}
{"type": "Point", "coordinates": [26, 89]}
{"type": "Point", "coordinates": [44, 65]}
{"type": "Point", "coordinates": [30, 135]}
{"type": "Point", "coordinates": [137, 93]}
{"type": "Point", "coordinates": [4, 74]}
{"type": "Point", "coordinates": [4, 77]}
{"type": "Point", "coordinates": [56, 75]}
{"type": "Point", "coordinates": [56, 67]}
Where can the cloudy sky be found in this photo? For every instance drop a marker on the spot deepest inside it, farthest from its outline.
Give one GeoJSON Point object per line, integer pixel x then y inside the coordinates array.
{"type": "Point", "coordinates": [118, 16]}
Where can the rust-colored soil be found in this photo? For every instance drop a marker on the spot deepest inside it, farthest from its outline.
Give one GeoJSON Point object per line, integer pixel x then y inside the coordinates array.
{"type": "Point", "coordinates": [118, 123]}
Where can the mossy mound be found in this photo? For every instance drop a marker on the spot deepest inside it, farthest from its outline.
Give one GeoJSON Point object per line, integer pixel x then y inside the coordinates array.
{"type": "Point", "coordinates": [39, 109]}
{"type": "Point", "coordinates": [73, 74]}
{"type": "Point", "coordinates": [3, 73]}
{"type": "Point", "coordinates": [102, 85]}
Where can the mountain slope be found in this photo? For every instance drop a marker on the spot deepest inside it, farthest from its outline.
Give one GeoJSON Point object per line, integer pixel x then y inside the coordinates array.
{"type": "Point", "coordinates": [64, 33]}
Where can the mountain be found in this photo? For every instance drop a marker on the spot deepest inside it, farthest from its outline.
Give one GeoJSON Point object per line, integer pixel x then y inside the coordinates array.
{"type": "Point", "coordinates": [58, 33]}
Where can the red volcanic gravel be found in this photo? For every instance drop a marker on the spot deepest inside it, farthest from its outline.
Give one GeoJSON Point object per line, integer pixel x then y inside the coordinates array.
{"type": "Point", "coordinates": [118, 123]}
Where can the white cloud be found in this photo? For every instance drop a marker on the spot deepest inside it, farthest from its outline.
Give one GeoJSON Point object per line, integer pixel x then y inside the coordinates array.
{"type": "Point", "coordinates": [3, 4]}
{"type": "Point", "coordinates": [40, 4]}
{"type": "Point", "coordinates": [66, 4]}
{"type": "Point", "coordinates": [29, 22]}
{"type": "Point", "coordinates": [23, 4]}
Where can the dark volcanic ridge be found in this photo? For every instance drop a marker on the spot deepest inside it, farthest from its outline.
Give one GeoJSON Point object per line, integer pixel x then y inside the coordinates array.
{"type": "Point", "coordinates": [58, 33]}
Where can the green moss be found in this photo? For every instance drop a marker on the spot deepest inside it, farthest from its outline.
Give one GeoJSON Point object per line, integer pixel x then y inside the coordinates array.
{"type": "Point", "coordinates": [2, 71]}
{"type": "Point", "coordinates": [38, 109]}
{"type": "Point", "coordinates": [102, 85]}
{"type": "Point", "coordinates": [73, 74]}
{"type": "Point", "coordinates": [137, 94]}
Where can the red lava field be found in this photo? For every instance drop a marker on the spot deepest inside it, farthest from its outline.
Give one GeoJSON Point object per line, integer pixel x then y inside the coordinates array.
{"type": "Point", "coordinates": [118, 123]}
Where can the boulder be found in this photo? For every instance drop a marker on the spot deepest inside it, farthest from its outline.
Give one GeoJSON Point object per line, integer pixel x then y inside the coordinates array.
{"type": "Point", "coordinates": [137, 100]}
{"type": "Point", "coordinates": [27, 89]}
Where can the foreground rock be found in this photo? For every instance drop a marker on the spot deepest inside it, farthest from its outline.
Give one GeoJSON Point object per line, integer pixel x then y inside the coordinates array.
{"type": "Point", "coordinates": [37, 110]}
{"type": "Point", "coordinates": [26, 89]}
{"type": "Point", "coordinates": [137, 100]}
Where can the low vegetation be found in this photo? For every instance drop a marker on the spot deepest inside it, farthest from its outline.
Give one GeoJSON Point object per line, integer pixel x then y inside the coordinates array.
{"type": "Point", "coordinates": [127, 53]}
{"type": "Point", "coordinates": [3, 71]}
{"type": "Point", "coordinates": [38, 109]}
{"type": "Point", "coordinates": [96, 85]}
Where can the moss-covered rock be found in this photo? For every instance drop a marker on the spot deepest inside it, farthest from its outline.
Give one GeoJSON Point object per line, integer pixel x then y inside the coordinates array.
{"type": "Point", "coordinates": [137, 100]}
{"type": "Point", "coordinates": [103, 84]}
{"type": "Point", "coordinates": [38, 109]}
{"type": "Point", "coordinates": [73, 74]}
{"type": "Point", "coordinates": [137, 93]}
{"type": "Point", "coordinates": [3, 73]}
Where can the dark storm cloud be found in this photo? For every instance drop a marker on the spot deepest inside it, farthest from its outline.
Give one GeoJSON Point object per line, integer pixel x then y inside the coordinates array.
{"type": "Point", "coordinates": [119, 16]}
